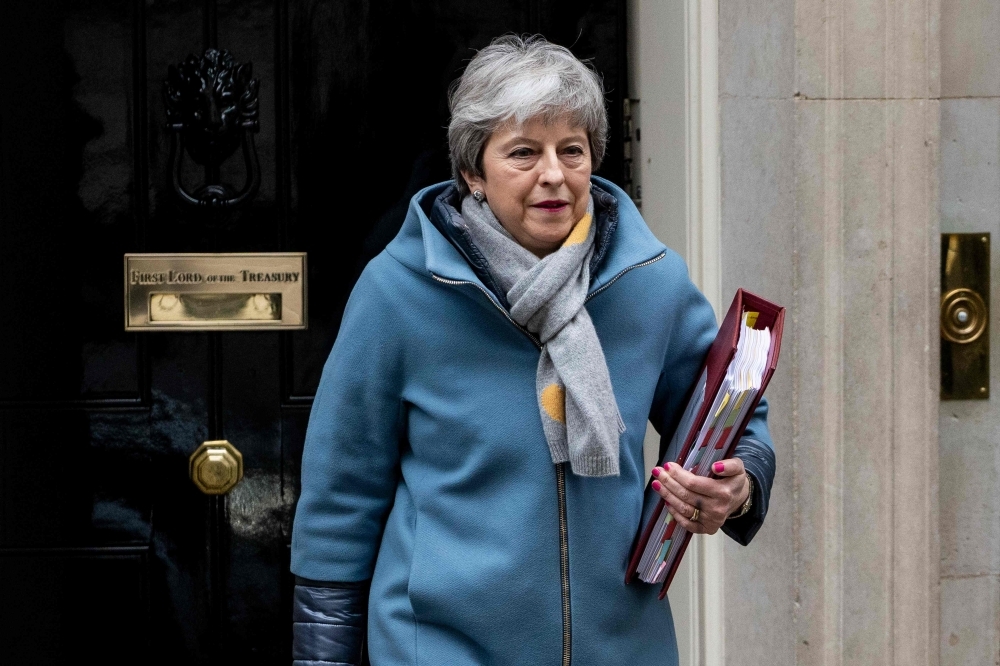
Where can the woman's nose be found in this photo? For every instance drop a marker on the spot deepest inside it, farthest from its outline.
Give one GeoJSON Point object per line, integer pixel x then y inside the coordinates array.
{"type": "Point", "coordinates": [551, 169]}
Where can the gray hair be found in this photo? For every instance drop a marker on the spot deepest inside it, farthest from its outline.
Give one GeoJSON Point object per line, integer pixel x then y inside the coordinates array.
{"type": "Point", "coordinates": [515, 79]}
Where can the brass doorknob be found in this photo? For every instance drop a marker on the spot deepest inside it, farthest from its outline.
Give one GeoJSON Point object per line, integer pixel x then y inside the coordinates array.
{"type": "Point", "coordinates": [215, 467]}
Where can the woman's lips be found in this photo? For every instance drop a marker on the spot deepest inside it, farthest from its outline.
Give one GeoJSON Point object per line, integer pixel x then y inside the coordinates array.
{"type": "Point", "coordinates": [552, 205]}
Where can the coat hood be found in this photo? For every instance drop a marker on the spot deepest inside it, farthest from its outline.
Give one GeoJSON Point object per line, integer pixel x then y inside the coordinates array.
{"type": "Point", "coordinates": [420, 246]}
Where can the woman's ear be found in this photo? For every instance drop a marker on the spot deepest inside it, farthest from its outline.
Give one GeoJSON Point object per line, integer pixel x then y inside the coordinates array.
{"type": "Point", "coordinates": [474, 182]}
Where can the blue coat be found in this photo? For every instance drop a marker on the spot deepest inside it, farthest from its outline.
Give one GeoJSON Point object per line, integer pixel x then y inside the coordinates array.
{"type": "Point", "coordinates": [426, 469]}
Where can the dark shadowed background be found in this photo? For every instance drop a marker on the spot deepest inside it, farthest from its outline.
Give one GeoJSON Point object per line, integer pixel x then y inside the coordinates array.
{"type": "Point", "coordinates": [106, 547]}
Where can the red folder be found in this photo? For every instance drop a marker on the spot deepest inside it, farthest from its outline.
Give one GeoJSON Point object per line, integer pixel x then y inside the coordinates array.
{"type": "Point", "coordinates": [720, 355]}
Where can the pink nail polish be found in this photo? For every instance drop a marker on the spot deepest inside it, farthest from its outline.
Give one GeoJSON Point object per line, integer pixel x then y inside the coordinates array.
{"type": "Point", "coordinates": [657, 486]}
{"type": "Point", "coordinates": [667, 467]}
{"type": "Point", "coordinates": [657, 471]}
{"type": "Point", "coordinates": [719, 468]}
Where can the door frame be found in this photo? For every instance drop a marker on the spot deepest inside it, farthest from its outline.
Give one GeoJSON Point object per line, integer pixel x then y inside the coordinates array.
{"type": "Point", "coordinates": [674, 71]}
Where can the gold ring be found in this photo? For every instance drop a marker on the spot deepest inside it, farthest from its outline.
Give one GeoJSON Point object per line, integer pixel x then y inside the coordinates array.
{"type": "Point", "coordinates": [694, 516]}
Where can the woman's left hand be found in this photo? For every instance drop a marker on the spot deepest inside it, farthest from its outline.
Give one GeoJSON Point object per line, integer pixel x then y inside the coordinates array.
{"type": "Point", "coordinates": [715, 499]}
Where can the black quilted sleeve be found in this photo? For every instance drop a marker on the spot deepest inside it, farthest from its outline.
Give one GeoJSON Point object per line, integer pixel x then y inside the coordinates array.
{"type": "Point", "coordinates": [328, 623]}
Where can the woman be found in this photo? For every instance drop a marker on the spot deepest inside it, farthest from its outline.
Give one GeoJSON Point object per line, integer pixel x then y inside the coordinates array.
{"type": "Point", "coordinates": [473, 476]}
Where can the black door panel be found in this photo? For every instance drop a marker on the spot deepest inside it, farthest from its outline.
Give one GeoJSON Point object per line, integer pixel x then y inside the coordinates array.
{"type": "Point", "coordinates": [106, 547]}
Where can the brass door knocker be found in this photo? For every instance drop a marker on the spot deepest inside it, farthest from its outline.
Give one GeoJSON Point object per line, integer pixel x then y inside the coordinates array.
{"type": "Point", "coordinates": [212, 109]}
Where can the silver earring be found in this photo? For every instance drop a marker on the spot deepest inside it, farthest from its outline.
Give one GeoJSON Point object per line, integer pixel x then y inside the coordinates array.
{"type": "Point", "coordinates": [478, 196]}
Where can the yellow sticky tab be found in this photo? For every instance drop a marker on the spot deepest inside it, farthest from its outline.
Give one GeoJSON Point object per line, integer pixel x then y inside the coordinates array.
{"type": "Point", "coordinates": [751, 318]}
{"type": "Point", "coordinates": [725, 401]}
{"type": "Point", "coordinates": [731, 421]}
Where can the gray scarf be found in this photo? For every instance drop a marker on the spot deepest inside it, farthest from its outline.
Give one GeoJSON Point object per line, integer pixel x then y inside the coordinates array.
{"type": "Point", "coordinates": [577, 404]}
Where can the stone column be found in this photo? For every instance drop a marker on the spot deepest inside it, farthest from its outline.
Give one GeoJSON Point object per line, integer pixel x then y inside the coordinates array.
{"type": "Point", "coordinates": [970, 429]}
{"type": "Point", "coordinates": [829, 156]}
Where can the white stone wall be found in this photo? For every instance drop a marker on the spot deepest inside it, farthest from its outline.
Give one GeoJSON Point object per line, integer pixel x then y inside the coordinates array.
{"type": "Point", "coordinates": [756, 88]}
{"type": "Point", "coordinates": [970, 430]}
{"type": "Point", "coordinates": [829, 168]}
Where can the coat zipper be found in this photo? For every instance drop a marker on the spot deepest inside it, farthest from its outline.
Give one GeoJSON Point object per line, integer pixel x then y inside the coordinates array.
{"type": "Point", "coordinates": [567, 617]}
{"type": "Point", "coordinates": [495, 304]}
{"type": "Point", "coordinates": [623, 272]}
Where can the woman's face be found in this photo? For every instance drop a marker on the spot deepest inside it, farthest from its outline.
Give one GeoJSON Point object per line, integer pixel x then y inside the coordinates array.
{"type": "Point", "coordinates": [537, 181]}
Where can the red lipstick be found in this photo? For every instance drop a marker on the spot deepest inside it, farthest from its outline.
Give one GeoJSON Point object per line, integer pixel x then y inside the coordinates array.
{"type": "Point", "coordinates": [551, 205]}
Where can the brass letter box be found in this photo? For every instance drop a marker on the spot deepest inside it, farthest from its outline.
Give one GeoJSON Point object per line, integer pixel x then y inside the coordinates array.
{"type": "Point", "coordinates": [215, 292]}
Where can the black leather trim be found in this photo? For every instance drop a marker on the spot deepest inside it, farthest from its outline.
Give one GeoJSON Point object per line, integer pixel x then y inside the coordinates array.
{"type": "Point", "coordinates": [758, 459]}
{"type": "Point", "coordinates": [329, 620]}
{"type": "Point", "coordinates": [448, 220]}
{"type": "Point", "coordinates": [606, 213]}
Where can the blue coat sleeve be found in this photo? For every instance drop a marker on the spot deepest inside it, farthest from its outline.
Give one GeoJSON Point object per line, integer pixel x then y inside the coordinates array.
{"type": "Point", "coordinates": [692, 331]}
{"type": "Point", "coordinates": [351, 455]}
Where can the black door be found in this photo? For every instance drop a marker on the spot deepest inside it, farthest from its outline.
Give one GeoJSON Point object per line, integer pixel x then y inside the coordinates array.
{"type": "Point", "coordinates": [107, 549]}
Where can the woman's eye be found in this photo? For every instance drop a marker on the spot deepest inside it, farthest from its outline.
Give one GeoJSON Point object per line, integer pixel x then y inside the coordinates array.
{"type": "Point", "coordinates": [521, 152]}
{"type": "Point", "coordinates": [574, 150]}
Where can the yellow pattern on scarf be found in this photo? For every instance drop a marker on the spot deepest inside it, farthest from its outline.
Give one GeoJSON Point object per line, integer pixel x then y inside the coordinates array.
{"type": "Point", "coordinates": [580, 231]}
{"type": "Point", "coordinates": [554, 402]}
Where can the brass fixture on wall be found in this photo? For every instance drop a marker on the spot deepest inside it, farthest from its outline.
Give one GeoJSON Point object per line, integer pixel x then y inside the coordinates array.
{"type": "Point", "coordinates": [965, 327]}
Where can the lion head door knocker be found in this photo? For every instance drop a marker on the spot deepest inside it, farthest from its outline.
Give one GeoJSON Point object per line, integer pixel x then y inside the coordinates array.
{"type": "Point", "coordinates": [212, 108]}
